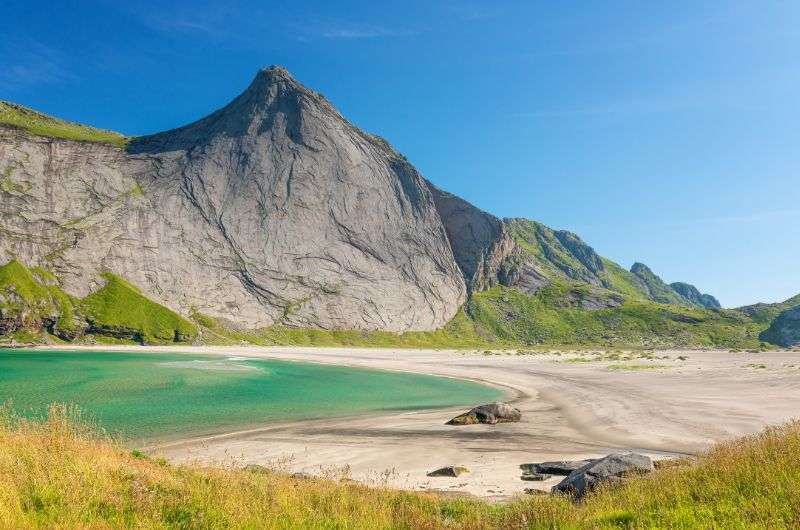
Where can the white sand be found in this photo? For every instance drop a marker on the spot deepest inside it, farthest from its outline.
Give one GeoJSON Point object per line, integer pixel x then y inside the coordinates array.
{"type": "Point", "coordinates": [569, 410]}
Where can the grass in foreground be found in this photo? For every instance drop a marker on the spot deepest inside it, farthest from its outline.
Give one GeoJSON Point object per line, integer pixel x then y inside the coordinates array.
{"type": "Point", "coordinates": [43, 125]}
{"type": "Point", "coordinates": [56, 473]}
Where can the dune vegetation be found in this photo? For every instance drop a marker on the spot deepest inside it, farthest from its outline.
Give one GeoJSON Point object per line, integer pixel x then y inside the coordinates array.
{"type": "Point", "coordinates": [57, 472]}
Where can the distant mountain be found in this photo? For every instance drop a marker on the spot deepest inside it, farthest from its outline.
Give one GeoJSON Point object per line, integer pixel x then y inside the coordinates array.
{"type": "Point", "coordinates": [657, 290]}
{"type": "Point", "coordinates": [694, 296]}
{"type": "Point", "coordinates": [276, 213]}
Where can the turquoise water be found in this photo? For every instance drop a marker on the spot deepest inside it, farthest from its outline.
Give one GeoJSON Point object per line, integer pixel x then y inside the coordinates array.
{"type": "Point", "coordinates": [148, 396]}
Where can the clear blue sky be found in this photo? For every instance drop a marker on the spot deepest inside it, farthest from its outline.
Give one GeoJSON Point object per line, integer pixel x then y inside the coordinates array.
{"type": "Point", "coordinates": [663, 132]}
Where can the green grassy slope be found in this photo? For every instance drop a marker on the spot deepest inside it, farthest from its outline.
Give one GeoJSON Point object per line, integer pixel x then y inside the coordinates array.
{"type": "Point", "coordinates": [58, 474]}
{"type": "Point", "coordinates": [506, 318]}
{"type": "Point", "coordinates": [498, 318]}
{"type": "Point", "coordinates": [766, 313]}
{"type": "Point", "coordinates": [508, 315]}
{"type": "Point", "coordinates": [558, 261]}
{"type": "Point", "coordinates": [551, 255]}
{"type": "Point", "coordinates": [623, 281]}
{"type": "Point", "coordinates": [31, 299]}
{"type": "Point", "coordinates": [120, 309]}
{"type": "Point", "coordinates": [40, 124]}
{"type": "Point", "coordinates": [32, 303]}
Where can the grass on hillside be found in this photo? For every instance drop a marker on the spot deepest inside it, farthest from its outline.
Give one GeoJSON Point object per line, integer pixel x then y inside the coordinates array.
{"type": "Point", "coordinates": [498, 318]}
{"type": "Point", "coordinates": [622, 280]}
{"type": "Point", "coordinates": [459, 333]}
{"type": "Point", "coordinates": [511, 316]}
{"type": "Point", "coordinates": [43, 125]}
{"type": "Point", "coordinates": [766, 313]}
{"type": "Point", "coordinates": [506, 318]}
{"type": "Point", "coordinates": [120, 308]}
{"type": "Point", "coordinates": [59, 473]}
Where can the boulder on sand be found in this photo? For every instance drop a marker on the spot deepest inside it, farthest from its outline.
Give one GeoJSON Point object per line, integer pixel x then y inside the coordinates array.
{"type": "Point", "coordinates": [490, 413]}
{"type": "Point", "coordinates": [556, 468]}
{"type": "Point", "coordinates": [607, 469]}
{"type": "Point", "coordinates": [448, 471]}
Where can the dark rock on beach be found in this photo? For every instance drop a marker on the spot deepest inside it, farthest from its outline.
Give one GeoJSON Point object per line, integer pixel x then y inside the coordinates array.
{"type": "Point", "coordinates": [449, 471]}
{"type": "Point", "coordinates": [556, 468]}
{"type": "Point", "coordinates": [491, 414]}
{"type": "Point", "coordinates": [608, 469]}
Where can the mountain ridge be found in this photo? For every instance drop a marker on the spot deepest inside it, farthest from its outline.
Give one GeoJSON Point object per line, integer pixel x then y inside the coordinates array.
{"type": "Point", "coordinates": [275, 210]}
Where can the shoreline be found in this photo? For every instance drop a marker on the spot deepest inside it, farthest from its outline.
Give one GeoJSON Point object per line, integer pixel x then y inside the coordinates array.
{"type": "Point", "coordinates": [574, 404]}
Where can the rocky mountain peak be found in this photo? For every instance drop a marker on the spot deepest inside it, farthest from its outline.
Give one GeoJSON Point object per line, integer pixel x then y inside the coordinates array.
{"type": "Point", "coordinates": [640, 269]}
{"type": "Point", "coordinates": [274, 99]}
{"type": "Point", "coordinates": [321, 224]}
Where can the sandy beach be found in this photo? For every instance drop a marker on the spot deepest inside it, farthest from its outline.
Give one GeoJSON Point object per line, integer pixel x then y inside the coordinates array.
{"type": "Point", "coordinates": [574, 405]}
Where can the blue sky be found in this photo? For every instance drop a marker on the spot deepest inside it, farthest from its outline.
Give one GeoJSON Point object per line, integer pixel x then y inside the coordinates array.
{"type": "Point", "coordinates": [663, 132]}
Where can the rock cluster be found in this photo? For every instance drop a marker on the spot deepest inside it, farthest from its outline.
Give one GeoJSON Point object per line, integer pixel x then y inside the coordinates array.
{"type": "Point", "coordinates": [607, 469]}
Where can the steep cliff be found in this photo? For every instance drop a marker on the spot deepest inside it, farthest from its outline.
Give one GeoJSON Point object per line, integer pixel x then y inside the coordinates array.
{"type": "Point", "coordinates": [273, 209]}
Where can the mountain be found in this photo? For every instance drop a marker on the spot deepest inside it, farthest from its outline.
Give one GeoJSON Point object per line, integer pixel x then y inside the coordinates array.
{"type": "Point", "coordinates": [274, 209]}
{"type": "Point", "coordinates": [274, 219]}
{"type": "Point", "coordinates": [690, 292]}
{"type": "Point", "coordinates": [657, 290]}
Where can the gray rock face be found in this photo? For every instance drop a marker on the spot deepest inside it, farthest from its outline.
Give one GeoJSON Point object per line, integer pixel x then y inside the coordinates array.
{"type": "Point", "coordinates": [479, 240]}
{"type": "Point", "coordinates": [691, 293]}
{"type": "Point", "coordinates": [607, 469]}
{"type": "Point", "coordinates": [491, 414]}
{"type": "Point", "coordinates": [273, 209]}
{"type": "Point", "coordinates": [785, 329]}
